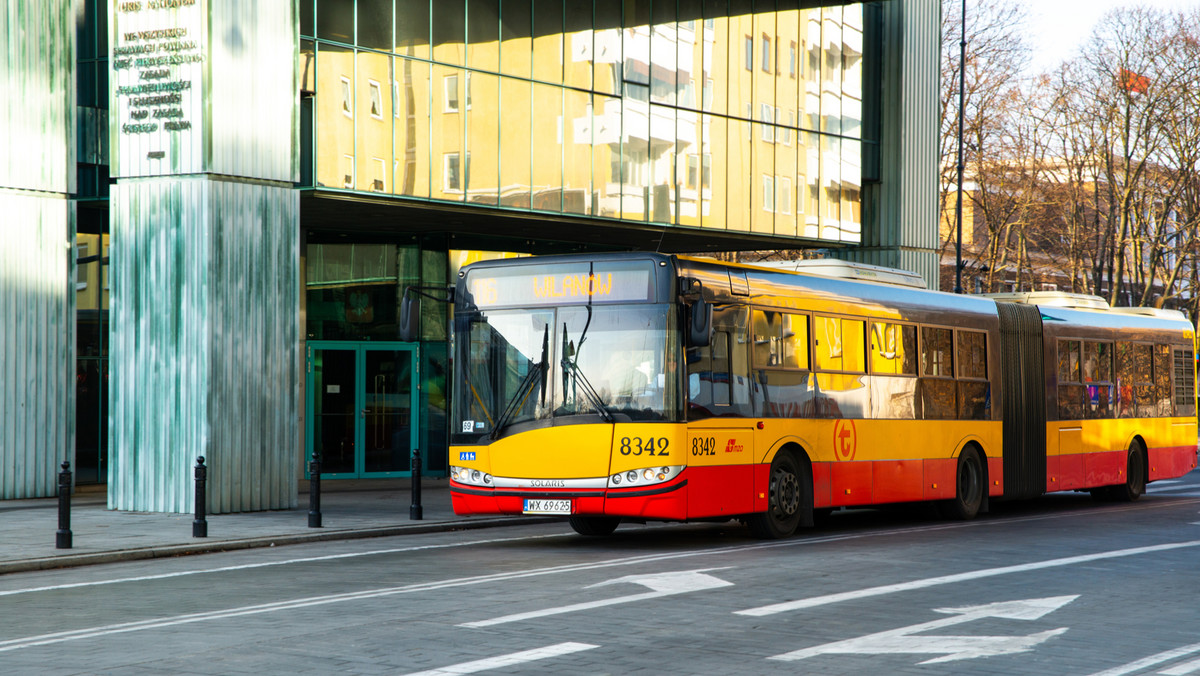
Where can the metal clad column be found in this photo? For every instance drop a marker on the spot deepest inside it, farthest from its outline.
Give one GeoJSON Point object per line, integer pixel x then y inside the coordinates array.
{"type": "Point", "coordinates": [204, 272]}
{"type": "Point", "coordinates": [904, 230]}
{"type": "Point", "coordinates": [37, 235]}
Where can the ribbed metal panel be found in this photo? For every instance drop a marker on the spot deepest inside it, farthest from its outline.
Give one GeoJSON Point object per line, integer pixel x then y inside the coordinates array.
{"type": "Point", "coordinates": [37, 110]}
{"type": "Point", "coordinates": [37, 341]}
{"type": "Point", "coordinates": [204, 357]}
{"type": "Point", "coordinates": [904, 233]}
{"type": "Point", "coordinates": [252, 108]}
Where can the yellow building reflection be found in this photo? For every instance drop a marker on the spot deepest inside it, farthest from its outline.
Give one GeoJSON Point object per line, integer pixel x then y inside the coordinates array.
{"type": "Point", "coordinates": [741, 121]}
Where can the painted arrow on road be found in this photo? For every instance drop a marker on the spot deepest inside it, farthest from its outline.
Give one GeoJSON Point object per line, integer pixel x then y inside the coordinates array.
{"type": "Point", "coordinates": [951, 648]}
{"type": "Point", "coordinates": [661, 584]}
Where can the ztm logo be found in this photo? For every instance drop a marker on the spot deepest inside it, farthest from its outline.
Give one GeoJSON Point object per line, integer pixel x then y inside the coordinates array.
{"type": "Point", "coordinates": [845, 440]}
{"type": "Point", "coordinates": [733, 446]}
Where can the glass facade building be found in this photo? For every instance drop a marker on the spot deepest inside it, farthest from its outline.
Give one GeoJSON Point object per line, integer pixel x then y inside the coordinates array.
{"type": "Point", "coordinates": [249, 188]}
{"type": "Point", "coordinates": [710, 115]}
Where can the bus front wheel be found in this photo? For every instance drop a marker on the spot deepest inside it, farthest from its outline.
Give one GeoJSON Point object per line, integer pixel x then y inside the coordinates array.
{"type": "Point", "coordinates": [969, 487]}
{"type": "Point", "coordinates": [785, 495]}
{"type": "Point", "coordinates": [595, 525]}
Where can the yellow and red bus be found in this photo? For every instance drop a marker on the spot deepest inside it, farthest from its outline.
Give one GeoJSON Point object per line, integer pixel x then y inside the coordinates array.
{"type": "Point", "coordinates": [659, 387]}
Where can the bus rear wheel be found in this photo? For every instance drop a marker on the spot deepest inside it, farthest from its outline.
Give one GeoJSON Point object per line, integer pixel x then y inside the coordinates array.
{"type": "Point", "coordinates": [785, 495]}
{"type": "Point", "coordinates": [1135, 475]}
{"type": "Point", "coordinates": [595, 526]}
{"type": "Point", "coordinates": [969, 486]}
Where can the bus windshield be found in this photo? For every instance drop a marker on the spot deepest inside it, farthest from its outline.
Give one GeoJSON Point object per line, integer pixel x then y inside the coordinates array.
{"type": "Point", "coordinates": [605, 363]}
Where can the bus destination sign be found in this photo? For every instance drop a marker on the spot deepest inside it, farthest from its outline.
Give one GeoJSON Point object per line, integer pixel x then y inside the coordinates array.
{"type": "Point", "coordinates": [562, 284]}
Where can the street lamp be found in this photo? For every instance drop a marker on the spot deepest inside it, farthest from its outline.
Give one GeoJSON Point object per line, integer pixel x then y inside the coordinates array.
{"type": "Point", "coordinates": [958, 214]}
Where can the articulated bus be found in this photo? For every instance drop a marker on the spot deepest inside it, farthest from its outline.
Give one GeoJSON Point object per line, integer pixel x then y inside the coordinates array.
{"type": "Point", "coordinates": [658, 387]}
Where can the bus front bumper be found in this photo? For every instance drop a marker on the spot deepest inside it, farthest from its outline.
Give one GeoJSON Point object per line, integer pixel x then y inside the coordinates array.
{"type": "Point", "coordinates": [662, 501]}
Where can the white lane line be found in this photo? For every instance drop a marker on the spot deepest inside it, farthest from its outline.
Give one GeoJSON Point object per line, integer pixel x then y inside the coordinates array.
{"type": "Point", "coordinates": [285, 562]}
{"type": "Point", "coordinates": [508, 660]}
{"type": "Point", "coordinates": [1151, 661]}
{"type": "Point", "coordinates": [828, 599]}
{"type": "Point", "coordinates": [525, 538]}
{"type": "Point", "coordinates": [1182, 669]}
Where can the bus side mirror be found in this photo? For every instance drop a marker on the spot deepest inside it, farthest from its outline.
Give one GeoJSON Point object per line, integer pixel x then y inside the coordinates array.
{"type": "Point", "coordinates": [700, 326]}
{"type": "Point", "coordinates": [410, 318]}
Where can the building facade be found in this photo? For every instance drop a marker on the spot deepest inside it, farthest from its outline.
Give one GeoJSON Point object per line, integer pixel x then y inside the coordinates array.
{"type": "Point", "coordinates": [232, 197]}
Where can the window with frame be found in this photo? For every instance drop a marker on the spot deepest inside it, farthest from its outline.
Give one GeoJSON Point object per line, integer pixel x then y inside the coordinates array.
{"type": "Point", "coordinates": [937, 385]}
{"type": "Point", "coordinates": [81, 269]}
{"type": "Point", "coordinates": [376, 96]}
{"type": "Point", "coordinates": [839, 344]}
{"type": "Point", "coordinates": [780, 340]}
{"type": "Point", "coordinates": [1163, 395]}
{"type": "Point", "coordinates": [792, 59]}
{"type": "Point", "coordinates": [748, 55]}
{"type": "Point", "coordinates": [347, 98]}
{"type": "Point", "coordinates": [974, 389]}
{"type": "Point", "coordinates": [1070, 380]}
{"type": "Point", "coordinates": [1096, 369]}
{"type": "Point", "coordinates": [785, 194]}
{"type": "Point", "coordinates": [450, 85]}
{"type": "Point", "coordinates": [768, 193]}
{"type": "Point", "coordinates": [893, 349]}
{"type": "Point", "coordinates": [719, 374]}
{"type": "Point", "coordinates": [1185, 382]}
{"type": "Point", "coordinates": [766, 53]}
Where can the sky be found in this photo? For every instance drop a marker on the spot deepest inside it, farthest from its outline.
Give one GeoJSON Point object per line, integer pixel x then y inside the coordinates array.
{"type": "Point", "coordinates": [1059, 28]}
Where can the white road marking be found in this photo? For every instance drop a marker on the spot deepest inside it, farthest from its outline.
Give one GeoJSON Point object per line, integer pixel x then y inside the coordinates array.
{"type": "Point", "coordinates": [268, 564]}
{"type": "Point", "coordinates": [661, 584]}
{"type": "Point", "coordinates": [828, 599]}
{"type": "Point", "coordinates": [951, 648]}
{"type": "Point", "coordinates": [1182, 669]}
{"type": "Point", "coordinates": [1151, 661]}
{"type": "Point", "coordinates": [789, 543]}
{"type": "Point", "coordinates": [509, 660]}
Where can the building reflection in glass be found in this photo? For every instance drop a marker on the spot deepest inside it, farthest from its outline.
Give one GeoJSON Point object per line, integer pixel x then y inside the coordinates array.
{"type": "Point", "coordinates": [695, 113]}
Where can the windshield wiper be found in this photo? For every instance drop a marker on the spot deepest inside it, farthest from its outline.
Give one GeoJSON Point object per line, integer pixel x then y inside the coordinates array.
{"type": "Point", "coordinates": [589, 392]}
{"type": "Point", "coordinates": [521, 395]}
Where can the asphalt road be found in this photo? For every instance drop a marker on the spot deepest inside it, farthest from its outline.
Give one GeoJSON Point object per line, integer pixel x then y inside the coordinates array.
{"type": "Point", "coordinates": [1061, 585]}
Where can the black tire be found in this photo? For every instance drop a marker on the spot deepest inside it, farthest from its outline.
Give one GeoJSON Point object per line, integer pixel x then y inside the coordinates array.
{"type": "Point", "coordinates": [969, 486]}
{"type": "Point", "coordinates": [595, 526]}
{"type": "Point", "coordinates": [1135, 475]}
{"type": "Point", "coordinates": [786, 498]}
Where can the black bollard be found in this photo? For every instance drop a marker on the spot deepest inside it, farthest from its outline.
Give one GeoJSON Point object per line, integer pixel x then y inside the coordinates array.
{"type": "Point", "coordinates": [415, 511]}
{"type": "Point", "coordinates": [314, 491]}
{"type": "Point", "coordinates": [199, 525]}
{"type": "Point", "coordinates": [62, 539]}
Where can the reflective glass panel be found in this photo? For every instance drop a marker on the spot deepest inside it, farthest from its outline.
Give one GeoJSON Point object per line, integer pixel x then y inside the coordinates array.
{"type": "Point", "coordinates": [515, 138]}
{"type": "Point", "coordinates": [516, 37]}
{"type": "Point", "coordinates": [446, 134]}
{"type": "Point", "coordinates": [548, 151]}
{"type": "Point", "coordinates": [410, 101]}
{"type": "Point", "coordinates": [548, 40]}
{"type": "Point", "coordinates": [577, 151]}
{"type": "Point", "coordinates": [449, 31]}
{"type": "Point", "coordinates": [335, 110]}
{"type": "Point", "coordinates": [481, 105]}
{"type": "Point", "coordinates": [374, 24]}
{"type": "Point", "coordinates": [483, 34]}
{"type": "Point", "coordinates": [412, 28]}
{"type": "Point", "coordinates": [373, 138]}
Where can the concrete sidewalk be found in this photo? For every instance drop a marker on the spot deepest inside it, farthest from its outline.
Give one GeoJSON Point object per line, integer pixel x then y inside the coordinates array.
{"type": "Point", "coordinates": [101, 535]}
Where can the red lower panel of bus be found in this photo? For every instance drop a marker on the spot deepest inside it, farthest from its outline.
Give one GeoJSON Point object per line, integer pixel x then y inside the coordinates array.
{"type": "Point", "coordinates": [1089, 470]}
{"type": "Point", "coordinates": [705, 492]}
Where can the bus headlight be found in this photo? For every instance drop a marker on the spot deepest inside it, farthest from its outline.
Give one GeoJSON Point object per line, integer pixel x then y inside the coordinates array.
{"type": "Point", "coordinates": [646, 476]}
{"type": "Point", "coordinates": [474, 477]}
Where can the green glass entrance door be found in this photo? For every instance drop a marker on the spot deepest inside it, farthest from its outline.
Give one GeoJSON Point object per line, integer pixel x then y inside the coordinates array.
{"type": "Point", "coordinates": [361, 408]}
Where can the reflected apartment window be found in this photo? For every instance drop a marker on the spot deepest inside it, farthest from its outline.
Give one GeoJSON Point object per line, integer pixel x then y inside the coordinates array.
{"type": "Point", "coordinates": [766, 53]}
{"type": "Point", "coordinates": [451, 87]}
{"type": "Point", "coordinates": [81, 277]}
{"type": "Point", "coordinates": [768, 193]}
{"type": "Point", "coordinates": [376, 99]}
{"type": "Point", "coordinates": [347, 98]}
{"type": "Point", "coordinates": [456, 174]}
{"type": "Point", "coordinates": [767, 117]}
{"type": "Point", "coordinates": [785, 195]}
{"type": "Point", "coordinates": [379, 182]}
{"type": "Point", "coordinates": [749, 53]}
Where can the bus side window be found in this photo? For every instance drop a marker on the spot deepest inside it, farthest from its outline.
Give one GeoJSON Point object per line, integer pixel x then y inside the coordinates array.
{"type": "Point", "coordinates": [1070, 381]}
{"type": "Point", "coordinates": [937, 387]}
{"type": "Point", "coordinates": [1162, 380]}
{"type": "Point", "coordinates": [1097, 379]}
{"type": "Point", "coordinates": [1126, 375]}
{"type": "Point", "coordinates": [974, 389]}
{"type": "Point", "coordinates": [1185, 383]}
{"type": "Point", "coordinates": [719, 375]}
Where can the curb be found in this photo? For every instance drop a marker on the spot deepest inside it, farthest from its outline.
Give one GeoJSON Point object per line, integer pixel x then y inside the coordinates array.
{"type": "Point", "coordinates": [168, 551]}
